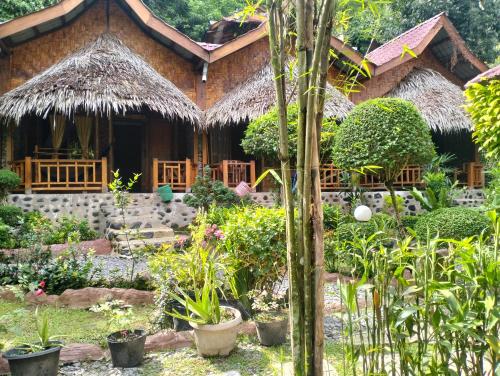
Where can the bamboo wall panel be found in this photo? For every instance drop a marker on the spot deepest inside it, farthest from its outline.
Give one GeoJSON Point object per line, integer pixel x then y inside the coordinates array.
{"type": "Point", "coordinates": [227, 73]}
{"type": "Point", "coordinates": [35, 56]}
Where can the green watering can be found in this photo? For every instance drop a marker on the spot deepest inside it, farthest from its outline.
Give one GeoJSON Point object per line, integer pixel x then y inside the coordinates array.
{"type": "Point", "coordinates": [165, 193]}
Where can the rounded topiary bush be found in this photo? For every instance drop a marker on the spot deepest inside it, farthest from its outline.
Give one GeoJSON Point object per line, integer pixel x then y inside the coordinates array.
{"type": "Point", "coordinates": [11, 215]}
{"type": "Point", "coordinates": [8, 181]}
{"type": "Point", "coordinates": [452, 223]}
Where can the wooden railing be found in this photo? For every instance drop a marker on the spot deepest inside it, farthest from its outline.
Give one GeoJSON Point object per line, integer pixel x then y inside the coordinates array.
{"type": "Point", "coordinates": [232, 173]}
{"type": "Point", "coordinates": [177, 174]}
{"type": "Point", "coordinates": [50, 175]}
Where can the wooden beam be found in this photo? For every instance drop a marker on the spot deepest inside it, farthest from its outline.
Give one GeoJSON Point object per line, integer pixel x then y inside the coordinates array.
{"type": "Point", "coordinates": [205, 160]}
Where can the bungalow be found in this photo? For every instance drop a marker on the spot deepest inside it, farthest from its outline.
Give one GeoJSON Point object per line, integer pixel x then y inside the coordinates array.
{"type": "Point", "coordinates": [91, 86]}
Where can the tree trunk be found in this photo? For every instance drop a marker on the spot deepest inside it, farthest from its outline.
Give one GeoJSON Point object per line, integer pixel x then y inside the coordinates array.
{"type": "Point", "coordinates": [394, 201]}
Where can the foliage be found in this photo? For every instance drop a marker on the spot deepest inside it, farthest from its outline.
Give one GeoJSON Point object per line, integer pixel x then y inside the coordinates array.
{"type": "Point", "coordinates": [192, 17]}
{"type": "Point", "coordinates": [410, 221]}
{"type": "Point", "coordinates": [388, 207]}
{"type": "Point", "coordinates": [452, 223]}
{"type": "Point", "coordinates": [268, 305]}
{"type": "Point", "coordinates": [44, 340]}
{"type": "Point", "coordinates": [16, 8]}
{"type": "Point", "coordinates": [6, 237]}
{"type": "Point", "coordinates": [121, 199]}
{"type": "Point", "coordinates": [67, 226]}
{"type": "Point", "coordinates": [439, 191]}
{"type": "Point", "coordinates": [386, 132]}
{"type": "Point", "coordinates": [262, 135]}
{"type": "Point", "coordinates": [10, 214]}
{"type": "Point", "coordinates": [205, 192]}
{"type": "Point", "coordinates": [483, 106]}
{"type": "Point", "coordinates": [441, 309]}
{"type": "Point", "coordinates": [9, 180]}
{"type": "Point", "coordinates": [119, 315]}
{"type": "Point", "coordinates": [204, 308]}
{"type": "Point", "coordinates": [492, 191]}
{"type": "Point", "coordinates": [333, 215]}
{"type": "Point", "coordinates": [254, 240]}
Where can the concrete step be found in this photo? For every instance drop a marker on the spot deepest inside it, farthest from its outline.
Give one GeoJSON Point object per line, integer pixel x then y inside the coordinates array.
{"type": "Point", "coordinates": [111, 211]}
{"type": "Point", "coordinates": [141, 233]}
{"type": "Point", "coordinates": [137, 244]}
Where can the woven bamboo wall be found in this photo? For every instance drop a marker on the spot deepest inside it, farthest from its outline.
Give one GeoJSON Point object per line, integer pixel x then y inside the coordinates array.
{"type": "Point", "coordinates": [33, 57]}
{"type": "Point", "coordinates": [380, 85]}
{"type": "Point", "coordinates": [225, 74]}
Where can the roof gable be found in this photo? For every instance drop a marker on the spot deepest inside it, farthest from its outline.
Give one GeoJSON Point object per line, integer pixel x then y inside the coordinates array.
{"type": "Point", "coordinates": [437, 34]}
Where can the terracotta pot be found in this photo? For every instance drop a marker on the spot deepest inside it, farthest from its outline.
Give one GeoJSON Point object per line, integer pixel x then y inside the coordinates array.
{"type": "Point", "coordinates": [218, 339]}
{"type": "Point", "coordinates": [272, 333]}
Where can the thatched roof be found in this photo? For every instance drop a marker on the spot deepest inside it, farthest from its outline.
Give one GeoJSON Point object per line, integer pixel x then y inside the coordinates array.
{"type": "Point", "coordinates": [103, 77]}
{"type": "Point", "coordinates": [439, 101]}
{"type": "Point", "coordinates": [255, 96]}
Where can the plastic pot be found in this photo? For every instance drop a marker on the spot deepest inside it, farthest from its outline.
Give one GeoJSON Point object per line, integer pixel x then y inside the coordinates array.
{"type": "Point", "coordinates": [272, 333]}
{"type": "Point", "coordinates": [218, 339]}
{"type": "Point", "coordinates": [40, 363]}
{"type": "Point", "coordinates": [127, 353]}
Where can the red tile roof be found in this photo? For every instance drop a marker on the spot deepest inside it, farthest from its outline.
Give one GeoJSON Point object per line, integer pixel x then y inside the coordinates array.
{"type": "Point", "coordinates": [411, 38]}
{"type": "Point", "coordinates": [490, 73]}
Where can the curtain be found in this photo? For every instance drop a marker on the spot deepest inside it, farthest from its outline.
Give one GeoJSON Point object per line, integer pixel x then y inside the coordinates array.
{"type": "Point", "coordinates": [84, 130]}
{"type": "Point", "coordinates": [58, 124]}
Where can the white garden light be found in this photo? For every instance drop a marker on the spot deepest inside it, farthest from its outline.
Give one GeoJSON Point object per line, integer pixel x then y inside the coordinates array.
{"type": "Point", "coordinates": [362, 213]}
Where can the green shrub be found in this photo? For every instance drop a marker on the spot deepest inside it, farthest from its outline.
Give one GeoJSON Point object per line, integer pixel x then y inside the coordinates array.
{"type": "Point", "coordinates": [7, 240]}
{"type": "Point", "coordinates": [8, 181]}
{"type": "Point", "coordinates": [384, 222]}
{"type": "Point", "coordinates": [205, 192]}
{"type": "Point", "coordinates": [452, 223]}
{"type": "Point", "coordinates": [410, 221]}
{"type": "Point", "coordinates": [255, 242]}
{"type": "Point", "coordinates": [11, 215]}
{"type": "Point", "coordinates": [68, 225]}
{"type": "Point", "coordinates": [347, 232]}
{"type": "Point", "coordinates": [333, 215]}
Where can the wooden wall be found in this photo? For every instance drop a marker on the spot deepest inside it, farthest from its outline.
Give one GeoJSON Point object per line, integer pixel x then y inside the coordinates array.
{"type": "Point", "coordinates": [34, 56]}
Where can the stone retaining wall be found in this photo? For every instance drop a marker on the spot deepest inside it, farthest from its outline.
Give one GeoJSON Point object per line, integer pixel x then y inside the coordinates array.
{"type": "Point", "coordinates": [97, 206]}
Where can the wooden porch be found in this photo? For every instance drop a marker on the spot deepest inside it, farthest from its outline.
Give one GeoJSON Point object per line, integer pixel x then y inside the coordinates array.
{"type": "Point", "coordinates": [91, 175]}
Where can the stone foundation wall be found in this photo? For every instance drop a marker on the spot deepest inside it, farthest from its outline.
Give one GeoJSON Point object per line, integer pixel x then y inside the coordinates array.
{"type": "Point", "coordinates": [97, 207]}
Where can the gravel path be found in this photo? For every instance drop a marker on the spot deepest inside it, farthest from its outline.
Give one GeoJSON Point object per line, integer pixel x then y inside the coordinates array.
{"type": "Point", "coordinates": [118, 266]}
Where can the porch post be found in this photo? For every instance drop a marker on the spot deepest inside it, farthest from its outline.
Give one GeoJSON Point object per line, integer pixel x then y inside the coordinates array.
{"type": "Point", "coordinates": [470, 175]}
{"type": "Point", "coordinates": [27, 175]}
{"type": "Point", "coordinates": [188, 173]}
{"type": "Point", "coordinates": [204, 148]}
{"type": "Point", "coordinates": [225, 172]}
{"type": "Point", "coordinates": [252, 173]}
{"type": "Point", "coordinates": [110, 140]}
{"type": "Point", "coordinates": [104, 175]}
{"type": "Point", "coordinates": [155, 174]}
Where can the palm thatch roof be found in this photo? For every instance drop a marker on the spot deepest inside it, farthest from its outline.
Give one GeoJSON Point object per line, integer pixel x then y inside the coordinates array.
{"type": "Point", "coordinates": [255, 96]}
{"type": "Point", "coordinates": [439, 101]}
{"type": "Point", "coordinates": [103, 77]}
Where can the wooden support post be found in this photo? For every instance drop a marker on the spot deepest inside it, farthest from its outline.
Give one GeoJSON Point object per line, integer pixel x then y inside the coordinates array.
{"type": "Point", "coordinates": [204, 149]}
{"type": "Point", "coordinates": [252, 173]}
{"type": "Point", "coordinates": [97, 135]}
{"type": "Point", "coordinates": [27, 175]}
{"type": "Point", "coordinates": [155, 174]}
{"type": "Point", "coordinates": [110, 141]}
{"type": "Point", "coordinates": [470, 174]}
{"type": "Point", "coordinates": [189, 177]}
{"type": "Point", "coordinates": [225, 172]}
{"type": "Point", "coordinates": [104, 175]}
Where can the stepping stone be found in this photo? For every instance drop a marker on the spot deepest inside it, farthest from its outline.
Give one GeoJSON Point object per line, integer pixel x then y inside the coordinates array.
{"type": "Point", "coordinates": [80, 352]}
{"type": "Point", "coordinates": [143, 233]}
{"type": "Point", "coordinates": [142, 243]}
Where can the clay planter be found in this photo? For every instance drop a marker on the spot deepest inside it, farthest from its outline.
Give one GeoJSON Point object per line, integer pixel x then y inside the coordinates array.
{"type": "Point", "coordinates": [272, 333]}
{"type": "Point", "coordinates": [218, 339]}
{"type": "Point", "coordinates": [38, 363]}
{"type": "Point", "coordinates": [127, 352]}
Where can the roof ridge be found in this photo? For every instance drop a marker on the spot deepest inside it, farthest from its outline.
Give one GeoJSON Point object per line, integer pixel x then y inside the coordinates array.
{"type": "Point", "coordinates": [404, 33]}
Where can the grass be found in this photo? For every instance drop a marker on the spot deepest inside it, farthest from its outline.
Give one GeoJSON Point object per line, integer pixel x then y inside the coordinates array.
{"type": "Point", "coordinates": [76, 325]}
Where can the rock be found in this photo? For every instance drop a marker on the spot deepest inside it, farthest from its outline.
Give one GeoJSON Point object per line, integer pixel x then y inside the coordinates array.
{"type": "Point", "coordinates": [80, 352]}
{"type": "Point", "coordinates": [168, 340]}
{"type": "Point", "coordinates": [43, 299]}
{"type": "Point", "coordinates": [89, 296]}
{"type": "Point", "coordinates": [99, 246]}
{"type": "Point", "coordinates": [7, 294]}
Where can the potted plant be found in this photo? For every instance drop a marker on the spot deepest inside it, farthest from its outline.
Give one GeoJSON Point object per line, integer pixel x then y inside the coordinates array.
{"type": "Point", "coordinates": [37, 358]}
{"type": "Point", "coordinates": [215, 326]}
{"type": "Point", "coordinates": [271, 316]}
{"type": "Point", "coordinates": [125, 345]}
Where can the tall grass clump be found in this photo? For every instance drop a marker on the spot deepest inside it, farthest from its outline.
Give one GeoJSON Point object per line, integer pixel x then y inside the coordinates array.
{"type": "Point", "coordinates": [419, 309]}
